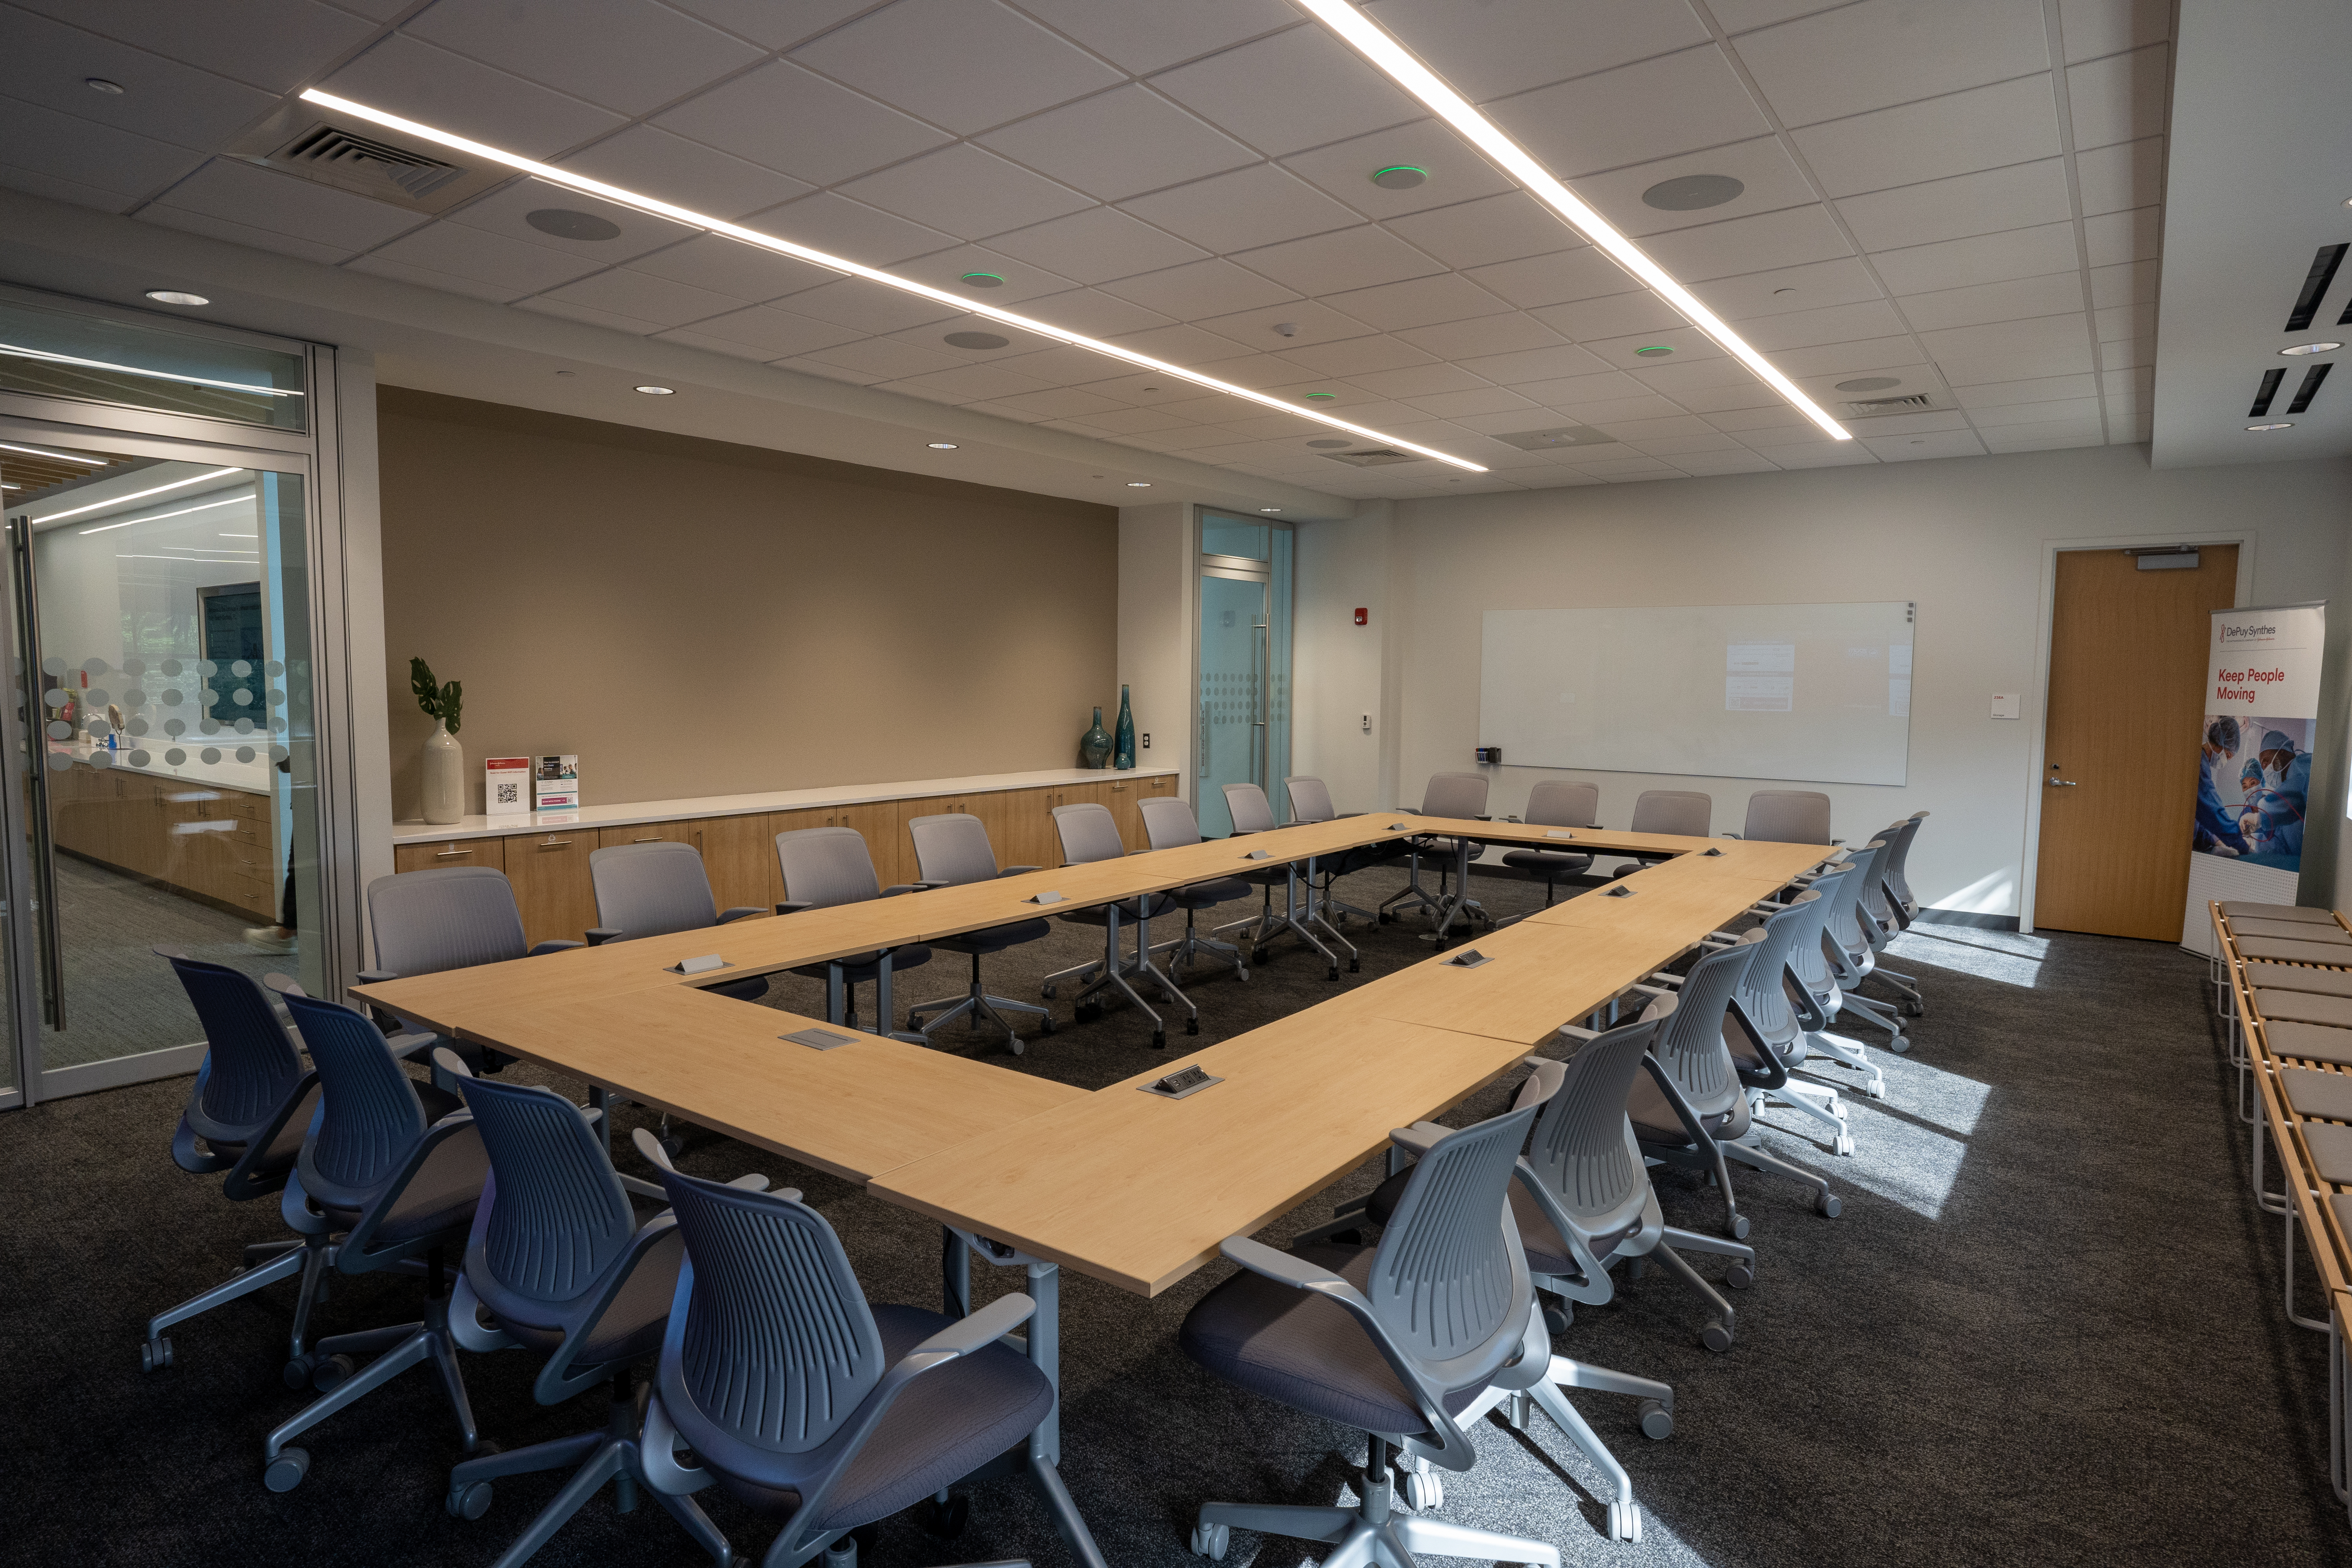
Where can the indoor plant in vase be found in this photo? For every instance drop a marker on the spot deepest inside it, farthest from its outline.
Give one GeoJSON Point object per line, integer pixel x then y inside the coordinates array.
{"type": "Point", "coordinates": [445, 759]}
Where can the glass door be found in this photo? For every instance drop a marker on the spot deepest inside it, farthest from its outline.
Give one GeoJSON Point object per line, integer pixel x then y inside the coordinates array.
{"type": "Point", "coordinates": [1243, 730]}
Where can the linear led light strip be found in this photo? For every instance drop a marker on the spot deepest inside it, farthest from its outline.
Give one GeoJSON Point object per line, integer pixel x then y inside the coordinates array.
{"type": "Point", "coordinates": [19, 352]}
{"type": "Point", "coordinates": [62, 456]}
{"type": "Point", "coordinates": [1376, 45]}
{"type": "Point", "coordinates": [237, 499]}
{"type": "Point", "coordinates": [137, 495]}
{"type": "Point", "coordinates": [658, 208]}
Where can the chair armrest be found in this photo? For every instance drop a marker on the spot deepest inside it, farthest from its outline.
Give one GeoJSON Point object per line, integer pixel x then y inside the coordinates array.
{"type": "Point", "coordinates": [1017, 870]}
{"type": "Point", "coordinates": [794, 906]}
{"type": "Point", "coordinates": [1662, 978]}
{"type": "Point", "coordinates": [639, 1187]}
{"type": "Point", "coordinates": [599, 935]}
{"type": "Point", "coordinates": [557, 1382]}
{"type": "Point", "coordinates": [754, 1182]}
{"type": "Point", "coordinates": [1579, 1035]}
{"type": "Point", "coordinates": [1288, 1269]}
{"type": "Point", "coordinates": [1728, 835]}
{"type": "Point", "coordinates": [657, 1450]}
{"type": "Point", "coordinates": [897, 889]}
{"type": "Point", "coordinates": [1418, 1138]}
{"type": "Point", "coordinates": [559, 945]}
{"type": "Point", "coordinates": [980, 1330]}
{"type": "Point", "coordinates": [740, 912]}
{"type": "Point", "coordinates": [371, 976]}
{"type": "Point", "coordinates": [356, 1242]}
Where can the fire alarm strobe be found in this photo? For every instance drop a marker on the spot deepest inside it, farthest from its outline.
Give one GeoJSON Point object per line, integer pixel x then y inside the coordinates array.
{"type": "Point", "coordinates": [1363, 616]}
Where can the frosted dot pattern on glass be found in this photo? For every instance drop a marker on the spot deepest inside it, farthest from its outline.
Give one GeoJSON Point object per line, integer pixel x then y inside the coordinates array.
{"type": "Point", "coordinates": [53, 666]}
{"type": "Point", "coordinates": [242, 668]}
{"type": "Point", "coordinates": [101, 758]}
{"type": "Point", "coordinates": [59, 761]}
{"type": "Point", "coordinates": [243, 698]}
{"type": "Point", "coordinates": [173, 697]}
{"type": "Point", "coordinates": [55, 698]}
{"type": "Point", "coordinates": [244, 753]}
{"type": "Point", "coordinates": [95, 697]}
{"type": "Point", "coordinates": [60, 731]}
{"type": "Point", "coordinates": [134, 667]}
{"type": "Point", "coordinates": [175, 756]}
{"type": "Point", "coordinates": [210, 754]}
{"type": "Point", "coordinates": [138, 759]}
{"type": "Point", "coordinates": [94, 665]}
{"type": "Point", "coordinates": [172, 668]}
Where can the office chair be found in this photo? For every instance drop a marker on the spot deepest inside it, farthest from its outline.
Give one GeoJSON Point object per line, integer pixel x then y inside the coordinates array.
{"type": "Point", "coordinates": [250, 1104]}
{"type": "Point", "coordinates": [653, 889]}
{"type": "Point", "coordinates": [1251, 811]}
{"type": "Point", "coordinates": [950, 850]}
{"type": "Point", "coordinates": [1699, 1116]}
{"type": "Point", "coordinates": [398, 1167]}
{"type": "Point", "coordinates": [1788, 816]}
{"type": "Point", "coordinates": [1445, 795]}
{"type": "Point", "coordinates": [455, 917]}
{"type": "Point", "coordinates": [1766, 1039]}
{"type": "Point", "coordinates": [1898, 885]}
{"type": "Point", "coordinates": [1169, 824]}
{"type": "Point", "coordinates": [825, 867]}
{"type": "Point", "coordinates": [1882, 920]}
{"type": "Point", "coordinates": [1310, 801]}
{"type": "Point", "coordinates": [1813, 987]}
{"type": "Point", "coordinates": [1088, 834]}
{"type": "Point", "coordinates": [560, 1262]}
{"type": "Point", "coordinates": [1555, 802]}
{"type": "Point", "coordinates": [1678, 811]}
{"type": "Point", "coordinates": [803, 1402]}
{"type": "Point", "coordinates": [1852, 957]}
{"type": "Point", "coordinates": [1407, 1340]}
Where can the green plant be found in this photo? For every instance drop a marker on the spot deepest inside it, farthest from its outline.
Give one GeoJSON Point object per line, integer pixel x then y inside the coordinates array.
{"type": "Point", "coordinates": [439, 701]}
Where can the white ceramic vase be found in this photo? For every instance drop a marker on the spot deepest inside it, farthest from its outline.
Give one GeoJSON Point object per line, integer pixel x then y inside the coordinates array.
{"type": "Point", "coordinates": [445, 775]}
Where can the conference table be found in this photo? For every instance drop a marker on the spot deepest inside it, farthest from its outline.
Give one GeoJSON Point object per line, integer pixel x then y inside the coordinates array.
{"type": "Point", "coordinates": [1127, 1186]}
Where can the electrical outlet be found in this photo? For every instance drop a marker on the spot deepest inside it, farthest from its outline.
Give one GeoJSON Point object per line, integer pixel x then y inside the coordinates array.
{"type": "Point", "coordinates": [1147, 739]}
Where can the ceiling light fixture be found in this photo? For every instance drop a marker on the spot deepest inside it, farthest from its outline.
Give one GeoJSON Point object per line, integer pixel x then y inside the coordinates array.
{"type": "Point", "coordinates": [2286, 426]}
{"type": "Point", "coordinates": [942, 445]}
{"type": "Point", "coordinates": [1139, 484]}
{"type": "Point", "coordinates": [645, 204]}
{"type": "Point", "coordinates": [62, 456]}
{"type": "Point", "coordinates": [138, 495]}
{"type": "Point", "coordinates": [1400, 177]}
{"type": "Point", "coordinates": [980, 280]}
{"type": "Point", "coordinates": [1269, 508]}
{"type": "Point", "coordinates": [2312, 349]}
{"type": "Point", "coordinates": [18, 350]}
{"type": "Point", "coordinates": [176, 297]}
{"type": "Point", "coordinates": [158, 517]}
{"type": "Point", "coordinates": [658, 391]}
{"type": "Point", "coordinates": [99, 84]}
{"type": "Point", "coordinates": [1375, 44]}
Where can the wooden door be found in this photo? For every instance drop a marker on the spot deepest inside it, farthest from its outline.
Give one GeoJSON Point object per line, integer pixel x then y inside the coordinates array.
{"type": "Point", "coordinates": [2127, 657]}
{"type": "Point", "coordinates": [549, 873]}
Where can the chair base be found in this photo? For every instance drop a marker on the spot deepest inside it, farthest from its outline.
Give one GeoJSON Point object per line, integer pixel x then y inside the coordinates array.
{"type": "Point", "coordinates": [1820, 1103]}
{"type": "Point", "coordinates": [266, 1263]}
{"type": "Point", "coordinates": [1113, 971]}
{"type": "Point", "coordinates": [1373, 1534]}
{"type": "Point", "coordinates": [979, 1005]}
{"type": "Point", "coordinates": [1850, 1053]}
{"type": "Point", "coordinates": [402, 1347]}
{"type": "Point", "coordinates": [1189, 947]}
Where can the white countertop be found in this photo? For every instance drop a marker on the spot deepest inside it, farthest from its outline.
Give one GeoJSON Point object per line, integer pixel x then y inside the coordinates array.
{"type": "Point", "coordinates": [252, 777]}
{"type": "Point", "coordinates": [746, 805]}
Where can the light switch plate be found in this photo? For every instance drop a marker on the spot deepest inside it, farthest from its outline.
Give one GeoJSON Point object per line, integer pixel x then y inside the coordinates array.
{"type": "Point", "coordinates": [2004, 704]}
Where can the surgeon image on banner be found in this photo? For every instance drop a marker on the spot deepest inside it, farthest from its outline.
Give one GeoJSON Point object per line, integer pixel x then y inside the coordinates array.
{"type": "Point", "coordinates": [2254, 762]}
{"type": "Point", "coordinates": [2254, 789]}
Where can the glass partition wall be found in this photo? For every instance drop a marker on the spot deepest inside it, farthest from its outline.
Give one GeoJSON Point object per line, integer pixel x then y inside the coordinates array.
{"type": "Point", "coordinates": [1242, 730]}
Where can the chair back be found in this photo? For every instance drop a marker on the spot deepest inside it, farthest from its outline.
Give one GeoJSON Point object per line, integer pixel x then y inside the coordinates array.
{"type": "Point", "coordinates": [1309, 800]}
{"type": "Point", "coordinates": [1874, 900]}
{"type": "Point", "coordinates": [1167, 822]}
{"type": "Point", "coordinates": [776, 1347]}
{"type": "Point", "coordinates": [553, 1214]}
{"type": "Point", "coordinates": [1689, 1044]}
{"type": "Point", "coordinates": [1247, 805]}
{"type": "Point", "coordinates": [1896, 882]}
{"type": "Point", "coordinates": [1450, 1286]}
{"type": "Point", "coordinates": [369, 1116]}
{"type": "Point", "coordinates": [1583, 1154]}
{"type": "Point", "coordinates": [1788, 816]}
{"type": "Point", "coordinates": [249, 1066]}
{"type": "Point", "coordinates": [1562, 802]}
{"type": "Point", "coordinates": [824, 866]}
{"type": "Point", "coordinates": [448, 918]}
{"type": "Point", "coordinates": [952, 848]}
{"type": "Point", "coordinates": [1088, 833]}
{"type": "Point", "coordinates": [1763, 990]}
{"type": "Point", "coordinates": [1808, 960]}
{"type": "Point", "coordinates": [1840, 923]}
{"type": "Point", "coordinates": [1453, 795]}
{"type": "Point", "coordinates": [1686, 812]}
{"type": "Point", "coordinates": [651, 890]}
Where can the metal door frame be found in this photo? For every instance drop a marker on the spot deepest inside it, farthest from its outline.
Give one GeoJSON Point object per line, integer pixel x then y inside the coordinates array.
{"type": "Point", "coordinates": [1205, 565]}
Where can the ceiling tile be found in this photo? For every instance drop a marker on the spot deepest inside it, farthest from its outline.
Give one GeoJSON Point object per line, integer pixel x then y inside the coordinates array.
{"type": "Point", "coordinates": [1983, 258]}
{"type": "Point", "coordinates": [2044, 438]}
{"type": "Point", "coordinates": [1577, 389]}
{"type": "Point", "coordinates": [1252, 206]}
{"type": "Point", "coordinates": [1831, 325]}
{"type": "Point", "coordinates": [971, 383]}
{"type": "Point", "coordinates": [729, 267]}
{"type": "Point", "coordinates": [412, 78]}
{"type": "Point", "coordinates": [809, 366]}
{"type": "Point", "coordinates": [1144, 38]}
{"type": "Point", "coordinates": [1422, 302]}
{"type": "Point", "coordinates": [1711, 401]}
{"type": "Point", "coordinates": [1061, 403]}
{"type": "Point", "coordinates": [382, 266]}
{"type": "Point", "coordinates": [1694, 377]}
{"type": "Point", "coordinates": [1181, 345]}
{"type": "Point", "coordinates": [964, 64]}
{"type": "Point", "coordinates": [1936, 443]}
{"type": "Point", "coordinates": [1018, 344]}
{"type": "Point", "coordinates": [1862, 354]}
{"type": "Point", "coordinates": [1769, 176]}
{"type": "Point", "coordinates": [1766, 424]}
{"type": "Point", "coordinates": [1097, 246]}
{"type": "Point", "coordinates": [1094, 313]}
{"type": "Point", "coordinates": [1490, 230]}
{"type": "Point", "coordinates": [1679, 446]}
{"type": "Point", "coordinates": [885, 357]}
{"type": "Point", "coordinates": [772, 333]}
{"type": "Point", "coordinates": [1487, 49]}
{"type": "Point", "coordinates": [2004, 351]}
{"type": "Point", "coordinates": [1786, 288]}
{"type": "Point", "coordinates": [1617, 117]}
{"type": "Point", "coordinates": [783, 117]}
{"type": "Point", "coordinates": [1456, 173]}
{"type": "Point", "coordinates": [632, 55]}
{"type": "Point", "coordinates": [1983, 203]}
{"type": "Point", "coordinates": [1461, 339]}
{"type": "Point", "coordinates": [1985, 128]}
{"type": "Point", "coordinates": [661, 300]}
{"type": "Point", "coordinates": [193, 222]}
{"type": "Point", "coordinates": [1688, 342]}
{"type": "Point", "coordinates": [1536, 364]}
{"type": "Point", "coordinates": [611, 321]}
{"type": "Point", "coordinates": [1133, 421]}
{"type": "Point", "coordinates": [1197, 288]}
{"type": "Point", "coordinates": [511, 265]}
{"type": "Point", "coordinates": [1610, 316]}
{"type": "Point", "coordinates": [1702, 465]}
{"type": "Point", "coordinates": [2095, 27]}
{"type": "Point", "coordinates": [2119, 321]}
{"type": "Point", "coordinates": [2034, 389]}
{"type": "Point", "coordinates": [1484, 400]}
{"type": "Point", "coordinates": [2120, 98]}
{"type": "Point", "coordinates": [2128, 353]}
{"type": "Point", "coordinates": [1787, 239]}
{"type": "Point", "coordinates": [2036, 413]}
{"type": "Point", "coordinates": [2127, 175]}
{"type": "Point", "coordinates": [1355, 258]}
{"type": "Point", "coordinates": [2127, 284]}
{"type": "Point", "coordinates": [2139, 381]}
{"type": "Point", "coordinates": [1823, 455]}
{"type": "Point", "coordinates": [1360, 359]}
{"type": "Point", "coordinates": [507, 211]}
{"type": "Point", "coordinates": [1149, 388]}
{"type": "Point", "coordinates": [1061, 366]}
{"type": "Point", "coordinates": [776, 23]}
{"type": "Point", "coordinates": [276, 44]}
{"type": "Point", "coordinates": [264, 199]}
{"type": "Point", "coordinates": [44, 142]}
{"type": "Point", "coordinates": [1581, 274]}
{"type": "Point", "coordinates": [49, 64]}
{"type": "Point", "coordinates": [1310, 323]}
{"type": "Point", "coordinates": [1908, 424]}
{"type": "Point", "coordinates": [1885, 52]}
{"type": "Point", "coordinates": [2113, 238]}
{"type": "Point", "coordinates": [1414, 380]}
{"type": "Point", "coordinates": [966, 191]}
{"type": "Point", "coordinates": [868, 307]}
{"type": "Point", "coordinates": [1120, 144]}
{"type": "Point", "coordinates": [1908, 379]}
{"type": "Point", "coordinates": [684, 173]}
{"type": "Point", "coordinates": [835, 223]}
{"type": "Point", "coordinates": [1667, 427]}
{"type": "Point", "coordinates": [2014, 300]}
{"type": "Point", "coordinates": [1746, 15]}
{"type": "Point", "coordinates": [1297, 89]}
{"type": "Point", "coordinates": [946, 269]}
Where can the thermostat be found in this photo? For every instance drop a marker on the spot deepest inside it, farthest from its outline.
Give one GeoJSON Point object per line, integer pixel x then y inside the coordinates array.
{"type": "Point", "coordinates": [1489, 755]}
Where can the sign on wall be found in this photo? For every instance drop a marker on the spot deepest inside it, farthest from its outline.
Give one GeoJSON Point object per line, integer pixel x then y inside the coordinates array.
{"type": "Point", "coordinates": [2254, 778]}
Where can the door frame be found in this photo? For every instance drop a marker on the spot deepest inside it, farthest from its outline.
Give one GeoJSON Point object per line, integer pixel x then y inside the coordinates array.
{"type": "Point", "coordinates": [1204, 564]}
{"type": "Point", "coordinates": [2030, 861]}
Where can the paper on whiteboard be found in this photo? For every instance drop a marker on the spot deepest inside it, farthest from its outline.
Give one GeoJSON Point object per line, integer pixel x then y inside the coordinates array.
{"type": "Point", "coordinates": [1761, 658]}
{"type": "Point", "coordinates": [1898, 697]}
{"type": "Point", "coordinates": [1758, 693]}
{"type": "Point", "coordinates": [1898, 661]}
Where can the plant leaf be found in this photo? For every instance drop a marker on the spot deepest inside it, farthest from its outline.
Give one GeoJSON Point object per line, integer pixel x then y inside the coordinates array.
{"type": "Point", "coordinates": [427, 689]}
{"type": "Point", "coordinates": [453, 702]}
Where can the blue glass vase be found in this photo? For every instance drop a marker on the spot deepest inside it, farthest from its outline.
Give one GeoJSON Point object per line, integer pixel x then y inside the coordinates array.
{"type": "Point", "coordinates": [1125, 755]}
{"type": "Point", "coordinates": [1094, 746]}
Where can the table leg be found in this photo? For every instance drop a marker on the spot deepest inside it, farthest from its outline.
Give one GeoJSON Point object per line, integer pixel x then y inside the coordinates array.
{"type": "Point", "coordinates": [1462, 852]}
{"type": "Point", "coordinates": [1316, 916]}
{"type": "Point", "coordinates": [1297, 928]}
{"type": "Point", "coordinates": [834, 1013]}
{"type": "Point", "coordinates": [883, 1016]}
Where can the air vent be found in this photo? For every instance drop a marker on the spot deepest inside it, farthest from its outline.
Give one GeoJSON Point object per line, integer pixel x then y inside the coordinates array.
{"type": "Point", "coordinates": [1372, 457]}
{"type": "Point", "coordinates": [381, 164]}
{"type": "Point", "coordinates": [2266, 391]}
{"type": "Point", "coordinates": [2314, 284]}
{"type": "Point", "coordinates": [370, 161]}
{"type": "Point", "coordinates": [1558, 435]}
{"type": "Point", "coordinates": [1864, 407]}
{"type": "Point", "coordinates": [2310, 387]}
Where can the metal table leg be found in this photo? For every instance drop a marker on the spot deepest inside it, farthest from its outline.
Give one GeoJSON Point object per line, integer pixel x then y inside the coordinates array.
{"type": "Point", "coordinates": [1453, 905]}
{"type": "Point", "coordinates": [1315, 916]}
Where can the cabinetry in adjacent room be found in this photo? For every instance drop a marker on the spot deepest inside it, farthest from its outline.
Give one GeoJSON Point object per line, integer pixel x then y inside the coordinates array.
{"type": "Point", "coordinates": [202, 839]}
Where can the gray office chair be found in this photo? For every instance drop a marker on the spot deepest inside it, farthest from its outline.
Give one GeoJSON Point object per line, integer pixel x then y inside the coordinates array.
{"type": "Point", "coordinates": [560, 1262]}
{"type": "Point", "coordinates": [802, 1402]}
{"type": "Point", "coordinates": [1882, 920]}
{"type": "Point", "coordinates": [824, 868]}
{"type": "Point", "coordinates": [1251, 811]}
{"type": "Point", "coordinates": [1788, 816]}
{"type": "Point", "coordinates": [1694, 1114]}
{"type": "Point", "coordinates": [1898, 884]}
{"type": "Point", "coordinates": [398, 1167]}
{"type": "Point", "coordinates": [250, 1105]}
{"type": "Point", "coordinates": [1555, 802]}
{"type": "Point", "coordinates": [1679, 811]}
{"type": "Point", "coordinates": [428, 923]}
{"type": "Point", "coordinates": [1310, 801]}
{"type": "Point", "coordinates": [1768, 1040]}
{"type": "Point", "coordinates": [1850, 947]}
{"type": "Point", "coordinates": [1405, 1340]}
{"type": "Point", "coordinates": [1088, 834]}
{"type": "Point", "coordinates": [1169, 824]}
{"type": "Point", "coordinates": [653, 889]}
{"type": "Point", "coordinates": [950, 850]}
{"type": "Point", "coordinates": [1446, 794]}
{"type": "Point", "coordinates": [1813, 987]}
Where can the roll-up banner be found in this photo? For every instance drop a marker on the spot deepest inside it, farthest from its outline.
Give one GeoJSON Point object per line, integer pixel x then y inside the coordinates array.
{"type": "Point", "coordinates": [2254, 760]}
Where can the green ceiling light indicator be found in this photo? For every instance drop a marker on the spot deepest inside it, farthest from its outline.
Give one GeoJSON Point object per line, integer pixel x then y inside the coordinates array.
{"type": "Point", "coordinates": [1400, 177]}
{"type": "Point", "coordinates": [982, 280]}
{"type": "Point", "coordinates": [1656, 351]}
{"type": "Point", "coordinates": [1322, 396]}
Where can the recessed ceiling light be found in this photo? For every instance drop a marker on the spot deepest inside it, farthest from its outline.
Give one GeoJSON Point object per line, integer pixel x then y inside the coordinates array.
{"type": "Point", "coordinates": [1375, 44]}
{"type": "Point", "coordinates": [2312, 349]}
{"type": "Point", "coordinates": [781, 247]}
{"type": "Point", "coordinates": [176, 297]}
{"type": "Point", "coordinates": [1321, 396]}
{"type": "Point", "coordinates": [1656, 351]}
{"type": "Point", "coordinates": [658, 391]}
{"type": "Point", "coordinates": [1869, 383]}
{"type": "Point", "coordinates": [976, 340]}
{"type": "Point", "coordinates": [99, 84]}
{"type": "Point", "coordinates": [566, 224]}
{"type": "Point", "coordinates": [45, 452]}
{"type": "Point", "coordinates": [1688, 192]}
{"type": "Point", "coordinates": [1400, 177]}
{"type": "Point", "coordinates": [1269, 508]}
{"type": "Point", "coordinates": [2286, 426]}
{"type": "Point", "coordinates": [942, 445]}
{"type": "Point", "coordinates": [982, 280]}
{"type": "Point", "coordinates": [1139, 484]}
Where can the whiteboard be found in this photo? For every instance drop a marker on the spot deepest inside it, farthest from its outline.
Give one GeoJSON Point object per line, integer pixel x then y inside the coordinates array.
{"type": "Point", "coordinates": [1818, 693]}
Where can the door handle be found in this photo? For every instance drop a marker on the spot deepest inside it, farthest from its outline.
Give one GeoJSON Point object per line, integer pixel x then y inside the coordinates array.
{"type": "Point", "coordinates": [2058, 784]}
{"type": "Point", "coordinates": [45, 868]}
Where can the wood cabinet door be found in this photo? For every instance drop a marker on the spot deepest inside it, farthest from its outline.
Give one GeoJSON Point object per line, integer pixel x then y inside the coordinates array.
{"type": "Point", "coordinates": [491, 852]}
{"type": "Point", "coordinates": [739, 854]}
{"type": "Point", "coordinates": [549, 873]}
{"type": "Point", "coordinates": [646, 832]}
{"type": "Point", "coordinates": [884, 823]}
{"type": "Point", "coordinates": [1124, 794]}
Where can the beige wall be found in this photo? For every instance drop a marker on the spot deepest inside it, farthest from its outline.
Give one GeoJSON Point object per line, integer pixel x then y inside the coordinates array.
{"type": "Point", "coordinates": [696, 618]}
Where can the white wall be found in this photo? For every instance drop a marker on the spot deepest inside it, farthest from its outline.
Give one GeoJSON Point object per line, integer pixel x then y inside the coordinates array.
{"type": "Point", "coordinates": [1967, 539]}
{"type": "Point", "coordinates": [1341, 671]}
{"type": "Point", "coordinates": [1156, 583]}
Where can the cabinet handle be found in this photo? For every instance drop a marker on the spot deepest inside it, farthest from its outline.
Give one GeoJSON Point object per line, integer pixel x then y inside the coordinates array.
{"type": "Point", "coordinates": [657, 838]}
{"type": "Point", "coordinates": [447, 853]}
{"type": "Point", "coordinates": [553, 843]}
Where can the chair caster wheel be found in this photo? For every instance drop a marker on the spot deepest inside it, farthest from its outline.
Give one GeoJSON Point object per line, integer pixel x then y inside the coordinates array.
{"type": "Point", "coordinates": [1159, 1040]}
{"type": "Point", "coordinates": [1334, 972]}
{"type": "Point", "coordinates": [287, 1470]}
{"type": "Point", "coordinates": [298, 1370]}
{"type": "Point", "coordinates": [471, 1500]}
{"type": "Point", "coordinates": [1087, 1011]}
{"type": "Point", "coordinates": [1844, 1144]}
{"type": "Point", "coordinates": [1715, 1337]}
{"type": "Point", "coordinates": [944, 1520]}
{"type": "Point", "coordinates": [155, 1354]}
{"type": "Point", "coordinates": [674, 1146]}
{"type": "Point", "coordinates": [1739, 1277]}
{"type": "Point", "coordinates": [1015, 1045]}
{"type": "Point", "coordinates": [1739, 1227]}
{"type": "Point", "coordinates": [1625, 1521]}
{"type": "Point", "coordinates": [1354, 966]}
{"type": "Point", "coordinates": [1210, 1540]}
{"type": "Point", "coordinates": [1191, 1026]}
{"type": "Point", "coordinates": [1899, 1045]}
{"type": "Point", "coordinates": [1560, 1319]}
{"type": "Point", "coordinates": [1244, 971]}
{"type": "Point", "coordinates": [1915, 1009]}
{"type": "Point", "coordinates": [330, 1373]}
{"type": "Point", "coordinates": [1657, 1421]}
{"type": "Point", "coordinates": [1050, 992]}
{"type": "Point", "coordinates": [1422, 1490]}
{"type": "Point", "coordinates": [1827, 1206]}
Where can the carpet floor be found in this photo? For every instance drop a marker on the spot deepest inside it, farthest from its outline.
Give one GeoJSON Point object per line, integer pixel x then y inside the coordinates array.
{"type": "Point", "coordinates": [2046, 1327]}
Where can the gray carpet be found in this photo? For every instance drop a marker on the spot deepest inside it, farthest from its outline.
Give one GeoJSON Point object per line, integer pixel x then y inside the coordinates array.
{"type": "Point", "coordinates": [2045, 1330]}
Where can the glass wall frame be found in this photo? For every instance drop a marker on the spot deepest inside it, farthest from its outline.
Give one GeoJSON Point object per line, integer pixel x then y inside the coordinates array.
{"type": "Point", "coordinates": [1241, 675]}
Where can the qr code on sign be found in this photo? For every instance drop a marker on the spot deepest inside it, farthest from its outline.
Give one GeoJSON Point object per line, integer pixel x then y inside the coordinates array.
{"type": "Point", "coordinates": [509, 794]}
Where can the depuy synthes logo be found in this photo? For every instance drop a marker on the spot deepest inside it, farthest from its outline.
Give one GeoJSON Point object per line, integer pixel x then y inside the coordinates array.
{"type": "Point", "coordinates": [2248, 633]}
